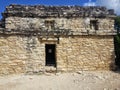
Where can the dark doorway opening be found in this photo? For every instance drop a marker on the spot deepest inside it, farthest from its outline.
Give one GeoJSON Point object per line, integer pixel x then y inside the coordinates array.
{"type": "Point", "coordinates": [50, 54]}
{"type": "Point", "coordinates": [94, 24]}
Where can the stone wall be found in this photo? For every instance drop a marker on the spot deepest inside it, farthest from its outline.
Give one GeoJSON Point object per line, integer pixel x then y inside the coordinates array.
{"type": "Point", "coordinates": [23, 36]}
{"type": "Point", "coordinates": [20, 54]}
{"type": "Point", "coordinates": [24, 54]}
{"type": "Point", "coordinates": [42, 11]}
{"type": "Point", "coordinates": [75, 24]}
{"type": "Point", "coordinates": [85, 53]}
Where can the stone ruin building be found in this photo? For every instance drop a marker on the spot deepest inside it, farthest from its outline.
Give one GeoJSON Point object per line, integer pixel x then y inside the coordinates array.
{"type": "Point", "coordinates": [42, 38]}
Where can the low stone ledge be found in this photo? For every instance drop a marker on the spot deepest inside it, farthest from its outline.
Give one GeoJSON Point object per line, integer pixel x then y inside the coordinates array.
{"type": "Point", "coordinates": [56, 32]}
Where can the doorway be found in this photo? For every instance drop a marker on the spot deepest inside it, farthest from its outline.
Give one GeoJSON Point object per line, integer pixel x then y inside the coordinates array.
{"type": "Point", "coordinates": [50, 50]}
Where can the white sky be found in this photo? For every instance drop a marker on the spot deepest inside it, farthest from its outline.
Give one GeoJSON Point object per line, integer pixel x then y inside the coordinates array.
{"type": "Point", "coordinates": [110, 4]}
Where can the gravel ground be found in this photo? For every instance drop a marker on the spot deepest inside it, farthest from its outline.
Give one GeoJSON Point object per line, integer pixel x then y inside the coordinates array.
{"type": "Point", "coordinates": [86, 80]}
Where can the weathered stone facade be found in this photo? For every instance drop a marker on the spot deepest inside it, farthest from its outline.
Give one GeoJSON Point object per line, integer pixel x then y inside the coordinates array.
{"type": "Point", "coordinates": [82, 36]}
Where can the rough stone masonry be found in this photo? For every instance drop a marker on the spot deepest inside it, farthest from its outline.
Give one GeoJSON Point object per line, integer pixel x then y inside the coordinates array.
{"type": "Point", "coordinates": [40, 38]}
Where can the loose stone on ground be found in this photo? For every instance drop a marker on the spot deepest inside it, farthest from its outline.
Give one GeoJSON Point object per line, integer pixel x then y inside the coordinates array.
{"type": "Point", "coordinates": [87, 80]}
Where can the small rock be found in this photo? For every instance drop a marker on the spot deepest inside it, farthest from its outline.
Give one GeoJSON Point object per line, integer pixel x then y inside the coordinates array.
{"type": "Point", "coordinates": [57, 74]}
{"type": "Point", "coordinates": [116, 89]}
{"type": "Point", "coordinates": [104, 89]}
{"type": "Point", "coordinates": [100, 77]}
{"type": "Point", "coordinates": [74, 74]}
{"type": "Point", "coordinates": [30, 78]}
{"type": "Point", "coordinates": [79, 72]}
{"type": "Point", "coordinates": [48, 74]}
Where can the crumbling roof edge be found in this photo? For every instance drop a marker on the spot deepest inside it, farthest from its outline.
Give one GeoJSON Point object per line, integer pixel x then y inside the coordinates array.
{"type": "Point", "coordinates": [57, 11]}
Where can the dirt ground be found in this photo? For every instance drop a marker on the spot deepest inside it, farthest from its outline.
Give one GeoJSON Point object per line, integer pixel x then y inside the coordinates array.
{"type": "Point", "coordinates": [92, 80]}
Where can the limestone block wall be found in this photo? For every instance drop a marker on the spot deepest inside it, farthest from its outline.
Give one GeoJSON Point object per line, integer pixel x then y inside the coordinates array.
{"type": "Point", "coordinates": [75, 24]}
{"type": "Point", "coordinates": [22, 50]}
{"type": "Point", "coordinates": [21, 54]}
{"type": "Point", "coordinates": [12, 55]}
{"type": "Point", "coordinates": [24, 54]}
{"type": "Point", "coordinates": [85, 53]}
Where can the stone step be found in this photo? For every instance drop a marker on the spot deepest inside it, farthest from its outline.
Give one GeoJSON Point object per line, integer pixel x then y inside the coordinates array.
{"type": "Point", "coordinates": [50, 69]}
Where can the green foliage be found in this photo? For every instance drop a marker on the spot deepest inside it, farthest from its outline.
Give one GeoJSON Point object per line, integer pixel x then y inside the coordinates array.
{"type": "Point", "coordinates": [117, 26]}
{"type": "Point", "coordinates": [118, 38]}
{"type": "Point", "coordinates": [117, 41]}
{"type": "Point", "coordinates": [117, 21]}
